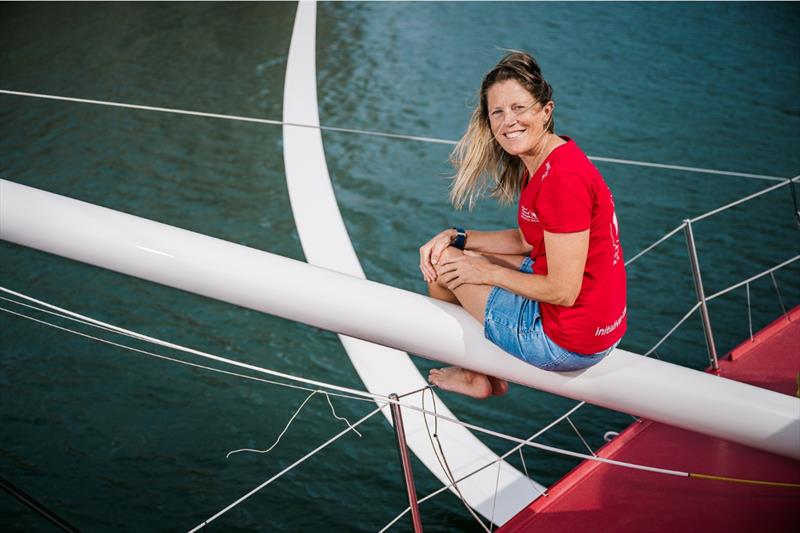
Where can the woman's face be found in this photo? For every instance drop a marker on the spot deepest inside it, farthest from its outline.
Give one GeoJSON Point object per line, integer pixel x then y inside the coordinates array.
{"type": "Point", "coordinates": [517, 120]}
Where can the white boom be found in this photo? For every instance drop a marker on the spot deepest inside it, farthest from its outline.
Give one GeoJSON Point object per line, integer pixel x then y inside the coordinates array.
{"type": "Point", "coordinates": [392, 317]}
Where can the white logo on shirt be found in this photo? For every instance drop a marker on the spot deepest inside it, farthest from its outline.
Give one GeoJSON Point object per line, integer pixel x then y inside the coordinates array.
{"type": "Point", "coordinates": [528, 215]}
{"type": "Point", "coordinates": [546, 170]}
{"type": "Point", "coordinates": [615, 239]}
{"type": "Point", "coordinates": [605, 330]}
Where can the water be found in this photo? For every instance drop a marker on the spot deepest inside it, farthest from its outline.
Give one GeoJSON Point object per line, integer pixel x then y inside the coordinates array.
{"type": "Point", "coordinates": [112, 440]}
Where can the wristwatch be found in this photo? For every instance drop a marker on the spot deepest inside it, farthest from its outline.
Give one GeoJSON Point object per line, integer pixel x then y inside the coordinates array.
{"type": "Point", "coordinates": [460, 240]}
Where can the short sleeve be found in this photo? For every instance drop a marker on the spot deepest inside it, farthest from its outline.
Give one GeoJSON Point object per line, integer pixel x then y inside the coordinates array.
{"type": "Point", "coordinates": [565, 203]}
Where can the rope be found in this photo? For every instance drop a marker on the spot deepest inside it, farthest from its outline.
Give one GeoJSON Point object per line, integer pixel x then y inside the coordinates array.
{"type": "Point", "coordinates": [778, 291]}
{"type": "Point", "coordinates": [745, 481]}
{"type": "Point", "coordinates": [686, 169]}
{"type": "Point", "coordinates": [167, 358]}
{"type": "Point", "coordinates": [223, 116]}
{"type": "Point", "coordinates": [670, 332]}
{"type": "Point", "coordinates": [794, 202]}
{"type": "Point", "coordinates": [289, 423]}
{"type": "Point", "coordinates": [746, 282]}
{"type": "Point", "coordinates": [749, 313]}
{"type": "Point", "coordinates": [364, 132]}
{"type": "Point", "coordinates": [783, 183]}
{"type": "Point", "coordinates": [525, 469]}
{"type": "Point", "coordinates": [753, 278]}
{"type": "Point", "coordinates": [490, 463]}
{"type": "Point", "coordinates": [178, 347]}
{"type": "Point", "coordinates": [34, 505]}
{"type": "Point", "coordinates": [494, 498]}
{"type": "Point", "coordinates": [288, 468]}
{"type": "Point", "coordinates": [439, 453]}
{"type": "Point", "coordinates": [591, 451]}
{"type": "Point", "coordinates": [659, 241]}
{"type": "Point", "coordinates": [520, 442]}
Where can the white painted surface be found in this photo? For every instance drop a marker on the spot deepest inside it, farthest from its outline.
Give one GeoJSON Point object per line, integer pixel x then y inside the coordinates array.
{"type": "Point", "coordinates": [388, 316]}
{"type": "Point", "coordinates": [326, 243]}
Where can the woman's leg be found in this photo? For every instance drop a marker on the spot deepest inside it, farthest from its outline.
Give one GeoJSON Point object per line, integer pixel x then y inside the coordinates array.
{"type": "Point", "coordinates": [473, 298]}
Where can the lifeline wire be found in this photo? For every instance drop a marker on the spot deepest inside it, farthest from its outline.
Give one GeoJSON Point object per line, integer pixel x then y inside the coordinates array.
{"type": "Point", "coordinates": [367, 132]}
{"type": "Point", "coordinates": [383, 402]}
{"type": "Point", "coordinates": [358, 393]}
{"type": "Point", "coordinates": [581, 437]}
{"type": "Point", "coordinates": [288, 468]}
{"type": "Point", "coordinates": [569, 453]}
{"type": "Point", "coordinates": [249, 119]}
{"type": "Point", "coordinates": [783, 183]}
{"type": "Point", "coordinates": [159, 356]}
{"type": "Point", "coordinates": [178, 347]}
{"type": "Point", "coordinates": [753, 278]}
{"type": "Point", "coordinates": [746, 282]}
{"type": "Point", "coordinates": [437, 417]}
{"type": "Point", "coordinates": [517, 448]}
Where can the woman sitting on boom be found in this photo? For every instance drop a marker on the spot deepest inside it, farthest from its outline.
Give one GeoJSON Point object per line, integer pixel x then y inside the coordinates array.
{"type": "Point", "coordinates": [551, 292]}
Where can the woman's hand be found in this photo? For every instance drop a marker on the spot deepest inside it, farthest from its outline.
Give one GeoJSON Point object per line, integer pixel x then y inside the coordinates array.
{"type": "Point", "coordinates": [430, 252]}
{"type": "Point", "coordinates": [471, 268]}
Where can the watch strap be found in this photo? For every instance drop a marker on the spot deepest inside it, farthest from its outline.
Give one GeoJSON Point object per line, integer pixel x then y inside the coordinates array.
{"type": "Point", "coordinates": [460, 240]}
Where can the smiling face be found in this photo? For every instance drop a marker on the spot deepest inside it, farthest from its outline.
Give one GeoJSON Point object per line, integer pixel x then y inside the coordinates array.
{"type": "Point", "coordinates": [517, 120]}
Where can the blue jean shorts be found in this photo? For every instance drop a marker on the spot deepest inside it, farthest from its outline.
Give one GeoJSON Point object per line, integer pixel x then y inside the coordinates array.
{"type": "Point", "coordinates": [514, 323]}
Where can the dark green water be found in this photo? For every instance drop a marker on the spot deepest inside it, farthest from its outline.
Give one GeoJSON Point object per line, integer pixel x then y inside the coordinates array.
{"type": "Point", "coordinates": [115, 441]}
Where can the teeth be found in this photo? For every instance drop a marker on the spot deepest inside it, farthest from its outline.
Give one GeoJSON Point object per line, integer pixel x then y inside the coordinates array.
{"type": "Point", "coordinates": [514, 134]}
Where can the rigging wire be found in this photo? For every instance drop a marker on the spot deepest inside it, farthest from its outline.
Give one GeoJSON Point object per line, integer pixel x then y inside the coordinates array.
{"type": "Point", "coordinates": [167, 358]}
{"type": "Point", "coordinates": [438, 451]}
{"type": "Point", "coordinates": [366, 132]}
{"type": "Point", "coordinates": [34, 505]}
{"type": "Point", "coordinates": [591, 451]}
{"type": "Point", "coordinates": [383, 403]}
{"type": "Point", "coordinates": [289, 468]}
{"type": "Point", "coordinates": [199, 353]}
{"type": "Point", "coordinates": [521, 442]}
{"type": "Point", "coordinates": [784, 182]}
{"type": "Point", "coordinates": [423, 139]}
{"type": "Point", "coordinates": [794, 202]}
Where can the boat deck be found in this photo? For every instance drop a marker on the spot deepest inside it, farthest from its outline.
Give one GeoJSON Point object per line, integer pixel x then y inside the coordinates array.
{"type": "Point", "coordinates": [600, 497]}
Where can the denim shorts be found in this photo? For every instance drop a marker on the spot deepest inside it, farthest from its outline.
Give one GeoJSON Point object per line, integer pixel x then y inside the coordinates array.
{"type": "Point", "coordinates": [514, 323]}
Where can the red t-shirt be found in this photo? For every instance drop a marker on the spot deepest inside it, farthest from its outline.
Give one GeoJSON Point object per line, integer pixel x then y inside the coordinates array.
{"type": "Point", "coordinates": [567, 194]}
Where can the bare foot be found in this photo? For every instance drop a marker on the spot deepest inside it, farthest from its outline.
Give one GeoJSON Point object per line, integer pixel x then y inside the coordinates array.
{"type": "Point", "coordinates": [499, 386]}
{"type": "Point", "coordinates": [462, 381]}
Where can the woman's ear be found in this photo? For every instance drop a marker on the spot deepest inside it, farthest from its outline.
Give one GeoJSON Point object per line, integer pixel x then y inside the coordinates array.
{"type": "Point", "coordinates": [548, 109]}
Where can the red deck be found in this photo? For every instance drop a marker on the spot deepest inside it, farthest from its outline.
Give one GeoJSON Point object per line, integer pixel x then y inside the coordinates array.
{"type": "Point", "coordinates": [599, 497]}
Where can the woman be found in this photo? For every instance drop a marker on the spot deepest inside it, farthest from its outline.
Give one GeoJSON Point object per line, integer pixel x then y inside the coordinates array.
{"type": "Point", "coordinates": [551, 292]}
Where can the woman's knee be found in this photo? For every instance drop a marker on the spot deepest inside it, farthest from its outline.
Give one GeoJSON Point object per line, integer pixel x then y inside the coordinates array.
{"type": "Point", "coordinates": [440, 292]}
{"type": "Point", "coordinates": [451, 252]}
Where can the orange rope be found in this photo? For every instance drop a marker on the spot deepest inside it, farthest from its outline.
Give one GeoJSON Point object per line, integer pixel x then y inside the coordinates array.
{"type": "Point", "coordinates": [747, 481]}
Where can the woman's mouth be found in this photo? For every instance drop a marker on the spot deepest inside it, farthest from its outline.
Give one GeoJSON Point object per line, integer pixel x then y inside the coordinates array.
{"type": "Point", "coordinates": [513, 134]}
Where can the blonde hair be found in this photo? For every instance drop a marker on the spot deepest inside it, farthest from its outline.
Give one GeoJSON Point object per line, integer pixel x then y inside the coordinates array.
{"type": "Point", "coordinates": [478, 158]}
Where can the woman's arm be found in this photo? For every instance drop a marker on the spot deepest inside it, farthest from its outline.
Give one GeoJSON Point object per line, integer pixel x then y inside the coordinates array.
{"type": "Point", "coordinates": [566, 260]}
{"type": "Point", "coordinates": [509, 241]}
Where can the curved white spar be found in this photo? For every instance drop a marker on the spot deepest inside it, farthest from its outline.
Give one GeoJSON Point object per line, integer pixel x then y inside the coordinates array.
{"type": "Point", "coordinates": [326, 243]}
{"type": "Point", "coordinates": [360, 308]}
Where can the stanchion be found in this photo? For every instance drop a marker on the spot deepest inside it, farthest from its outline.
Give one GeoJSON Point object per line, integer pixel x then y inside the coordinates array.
{"type": "Point", "coordinates": [701, 297]}
{"type": "Point", "coordinates": [405, 462]}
